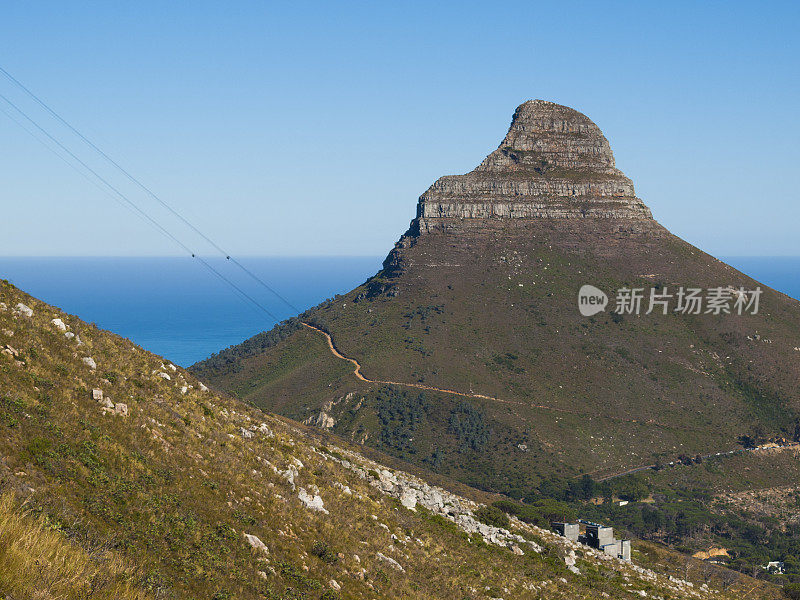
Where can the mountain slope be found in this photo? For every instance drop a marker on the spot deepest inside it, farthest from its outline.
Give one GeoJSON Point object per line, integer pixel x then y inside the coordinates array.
{"type": "Point", "coordinates": [480, 297]}
{"type": "Point", "coordinates": [129, 458]}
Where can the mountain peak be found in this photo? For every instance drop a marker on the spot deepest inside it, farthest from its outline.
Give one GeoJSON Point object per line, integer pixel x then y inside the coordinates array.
{"type": "Point", "coordinates": [554, 163]}
{"type": "Point", "coordinates": [560, 135]}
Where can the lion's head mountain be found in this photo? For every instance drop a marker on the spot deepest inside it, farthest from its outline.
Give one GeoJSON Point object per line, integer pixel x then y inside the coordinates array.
{"type": "Point", "coordinates": [475, 358]}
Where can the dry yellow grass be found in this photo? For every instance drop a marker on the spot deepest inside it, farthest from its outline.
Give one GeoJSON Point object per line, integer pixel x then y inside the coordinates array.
{"type": "Point", "coordinates": [39, 563]}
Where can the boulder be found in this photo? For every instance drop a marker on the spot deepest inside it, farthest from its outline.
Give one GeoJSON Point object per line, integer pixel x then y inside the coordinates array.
{"type": "Point", "coordinates": [59, 324]}
{"type": "Point", "coordinates": [311, 502]}
{"type": "Point", "coordinates": [89, 362]}
{"type": "Point", "coordinates": [408, 498]}
{"type": "Point", "coordinates": [390, 561]}
{"type": "Point", "coordinates": [256, 543]}
{"type": "Point", "coordinates": [23, 310]}
{"type": "Point", "coordinates": [97, 394]}
{"type": "Point", "coordinates": [121, 409]}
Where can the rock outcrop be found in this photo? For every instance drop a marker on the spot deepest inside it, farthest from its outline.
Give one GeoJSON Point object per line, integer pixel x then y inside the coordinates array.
{"type": "Point", "coordinates": [553, 163]}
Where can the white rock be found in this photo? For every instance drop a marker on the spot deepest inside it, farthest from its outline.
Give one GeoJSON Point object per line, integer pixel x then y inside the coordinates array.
{"type": "Point", "coordinates": [164, 376]}
{"type": "Point", "coordinates": [409, 499]}
{"type": "Point", "coordinates": [246, 433]}
{"type": "Point", "coordinates": [121, 409]}
{"type": "Point", "coordinates": [184, 389]}
{"type": "Point", "coordinates": [97, 394]}
{"type": "Point", "coordinates": [256, 543]}
{"type": "Point", "coordinates": [3, 306]}
{"type": "Point", "coordinates": [334, 585]}
{"type": "Point", "coordinates": [89, 362]}
{"type": "Point", "coordinates": [311, 502]}
{"type": "Point", "coordinates": [172, 367]}
{"type": "Point", "coordinates": [69, 335]}
{"type": "Point", "coordinates": [59, 324]}
{"type": "Point", "coordinates": [390, 561]}
{"type": "Point", "coordinates": [23, 310]}
{"type": "Point", "coordinates": [345, 488]}
{"type": "Point", "coordinates": [203, 387]}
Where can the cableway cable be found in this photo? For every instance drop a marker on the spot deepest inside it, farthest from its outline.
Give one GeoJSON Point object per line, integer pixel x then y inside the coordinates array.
{"type": "Point", "coordinates": [147, 190]}
{"type": "Point", "coordinates": [130, 204]}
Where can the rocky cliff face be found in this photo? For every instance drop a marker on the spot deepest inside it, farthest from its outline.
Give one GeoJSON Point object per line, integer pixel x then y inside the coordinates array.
{"type": "Point", "coordinates": [554, 163]}
{"type": "Point", "coordinates": [554, 171]}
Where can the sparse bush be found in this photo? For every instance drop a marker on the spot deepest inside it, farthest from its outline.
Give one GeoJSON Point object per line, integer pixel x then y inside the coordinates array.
{"type": "Point", "coordinates": [491, 515]}
{"type": "Point", "coordinates": [467, 424]}
{"type": "Point", "coordinates": [324, 552]}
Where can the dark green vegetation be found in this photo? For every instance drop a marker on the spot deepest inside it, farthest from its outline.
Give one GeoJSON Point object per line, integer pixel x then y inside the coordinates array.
{"type": "Point", "coordinates": [157, 503]}
{"type": "Point", "coordinates": [698, 506]}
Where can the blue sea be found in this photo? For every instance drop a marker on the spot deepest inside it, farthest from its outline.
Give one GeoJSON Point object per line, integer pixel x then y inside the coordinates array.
{"type": "Point", "coordinates": [176, 308]}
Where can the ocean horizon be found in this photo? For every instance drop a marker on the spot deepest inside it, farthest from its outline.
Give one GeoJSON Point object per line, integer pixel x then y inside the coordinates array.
{"type": "Point", "coordinates": [174, 307]}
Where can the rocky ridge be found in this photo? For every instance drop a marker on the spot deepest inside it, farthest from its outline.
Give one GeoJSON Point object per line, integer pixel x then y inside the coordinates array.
{"type": "Point", "coordinates": [412, 491]}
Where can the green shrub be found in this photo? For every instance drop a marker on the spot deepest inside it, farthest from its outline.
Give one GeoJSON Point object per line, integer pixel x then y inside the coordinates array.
{"type": "Point", "coordinates": [324, 552]}
{"type": "Point", "coordinates": [540, 512]}
{"type": "Point", "coordinates": [792, 590]}
{"type": "Point", "coordinates": [491, 515]}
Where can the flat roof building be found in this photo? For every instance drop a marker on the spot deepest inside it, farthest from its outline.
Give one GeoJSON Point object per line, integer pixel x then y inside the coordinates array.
{"type": "Point", "coordinates": [571, 531]}
{"type": "Point", "coordinates": [595, 535]}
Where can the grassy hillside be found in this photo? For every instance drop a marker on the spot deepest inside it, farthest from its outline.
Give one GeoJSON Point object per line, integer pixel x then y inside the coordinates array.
{"type": "Point", "coordinates": [585, 395]}
{"type": "Point", "coordinates": [38, 561]}
{"type": "Point", "coordinates": [183, 493]}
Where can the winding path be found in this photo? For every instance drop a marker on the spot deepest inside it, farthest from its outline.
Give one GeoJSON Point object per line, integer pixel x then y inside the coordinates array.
{"type": "Point", "coordinates": [419, 386]}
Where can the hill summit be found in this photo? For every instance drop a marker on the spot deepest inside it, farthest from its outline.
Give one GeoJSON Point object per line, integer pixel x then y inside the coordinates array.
{"type": "Point", "coordinates": [553, 165]}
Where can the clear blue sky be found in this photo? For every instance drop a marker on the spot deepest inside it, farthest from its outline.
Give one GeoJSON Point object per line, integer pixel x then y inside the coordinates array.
{"type": "Point", "coordinates": [311, 128]}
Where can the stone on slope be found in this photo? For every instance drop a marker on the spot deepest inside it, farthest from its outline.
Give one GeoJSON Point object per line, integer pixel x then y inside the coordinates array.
{"type": "Point", "coordinates": [256, 543]}
{"type": "Point", "coordinates": [23, 310]}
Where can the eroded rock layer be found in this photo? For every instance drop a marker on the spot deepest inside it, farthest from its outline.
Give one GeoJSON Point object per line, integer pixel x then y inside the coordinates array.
{"type": "Point", "coordinates": [554, 163]}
